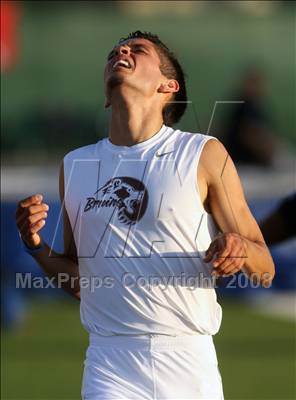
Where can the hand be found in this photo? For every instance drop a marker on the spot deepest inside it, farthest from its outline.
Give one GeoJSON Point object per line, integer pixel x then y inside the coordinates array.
{"type": "Point", "coordinates": [227, 253]}
{"type": "Point", "coordinates": [30, 218]}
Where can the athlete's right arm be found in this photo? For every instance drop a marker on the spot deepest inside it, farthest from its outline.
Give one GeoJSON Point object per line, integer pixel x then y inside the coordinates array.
{"type": "Point", "coordinates": [31, 215]}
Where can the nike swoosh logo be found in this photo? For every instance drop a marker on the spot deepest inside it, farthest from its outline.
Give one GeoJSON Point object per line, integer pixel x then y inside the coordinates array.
{"type": "Point", "coordinates": [162, 154]}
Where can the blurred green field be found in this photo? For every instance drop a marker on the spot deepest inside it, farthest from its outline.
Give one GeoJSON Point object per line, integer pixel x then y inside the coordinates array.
{"type": "Point", "coordinates": [44, 360]}
{"type": "Point", "coordinates": [63, 52]}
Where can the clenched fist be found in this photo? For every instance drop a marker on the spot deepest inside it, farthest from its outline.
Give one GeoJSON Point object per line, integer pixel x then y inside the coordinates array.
{"type": "Point", "coordinates": [227, 253]}
{"type": "Point", "coordinates": [31, 214]}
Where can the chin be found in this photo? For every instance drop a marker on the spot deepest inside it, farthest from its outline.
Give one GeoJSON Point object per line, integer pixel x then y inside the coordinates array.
{"type": "Point", "coordinates": [114, 81]}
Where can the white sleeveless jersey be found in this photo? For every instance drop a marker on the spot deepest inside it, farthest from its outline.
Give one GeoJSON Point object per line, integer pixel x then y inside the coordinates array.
{"type": "Point", "coordinates": [141, 232]}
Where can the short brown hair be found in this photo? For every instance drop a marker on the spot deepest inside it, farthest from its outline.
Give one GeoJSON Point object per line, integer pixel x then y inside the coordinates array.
{"type": "Point", "coordinates": [170, 68]}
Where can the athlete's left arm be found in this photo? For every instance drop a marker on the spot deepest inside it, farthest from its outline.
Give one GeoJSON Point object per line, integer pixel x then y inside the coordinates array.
{"type": "Point", "coordinates": [241, 245]}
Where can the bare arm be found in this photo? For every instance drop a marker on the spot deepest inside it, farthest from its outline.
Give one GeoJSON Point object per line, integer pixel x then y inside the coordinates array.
{"type": "Point", "coordinates": [31, 217]}
{"type": "Point", "coordinates": [241, 244]}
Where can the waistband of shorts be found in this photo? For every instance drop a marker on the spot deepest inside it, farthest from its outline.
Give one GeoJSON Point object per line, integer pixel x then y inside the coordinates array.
{"type": "Point", "coordinates": [151, 341]}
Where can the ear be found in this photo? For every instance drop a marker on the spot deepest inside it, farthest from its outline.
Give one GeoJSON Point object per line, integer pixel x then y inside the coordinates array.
{"type": "Point", "coordinates": [170, 86]}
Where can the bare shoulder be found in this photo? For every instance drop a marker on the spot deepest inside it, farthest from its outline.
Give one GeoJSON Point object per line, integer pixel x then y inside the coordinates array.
{"type": "Point", "coordinates": [214, 147]}
{"type": "Point", "coordinates": [213, 160]}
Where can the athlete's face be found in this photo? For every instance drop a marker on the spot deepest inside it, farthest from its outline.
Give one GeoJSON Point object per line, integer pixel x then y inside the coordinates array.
{"type": "Point", "coordinates": [135, 63]}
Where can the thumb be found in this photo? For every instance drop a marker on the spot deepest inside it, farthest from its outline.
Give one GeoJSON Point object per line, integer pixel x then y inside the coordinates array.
{"type": "Point", "coordinates": [32, 240]}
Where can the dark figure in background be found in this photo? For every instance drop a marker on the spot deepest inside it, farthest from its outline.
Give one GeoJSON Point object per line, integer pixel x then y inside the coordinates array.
{"type": "Point", "coordinates": [280, 225]}
{"type": "Point", "coordinates": [246, 131]}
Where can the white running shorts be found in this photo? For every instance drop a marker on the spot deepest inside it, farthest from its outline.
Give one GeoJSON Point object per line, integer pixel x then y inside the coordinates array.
{"type": "Point", "coordinates": [151, 367]}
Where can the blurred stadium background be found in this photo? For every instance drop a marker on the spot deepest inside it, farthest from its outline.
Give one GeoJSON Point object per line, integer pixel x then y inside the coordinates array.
{"type": "Point", "coordinates": [52, 60]}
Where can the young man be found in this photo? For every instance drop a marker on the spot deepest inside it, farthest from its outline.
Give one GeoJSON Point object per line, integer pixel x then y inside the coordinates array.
{"type": "Point", "coordinates": [155, 213]}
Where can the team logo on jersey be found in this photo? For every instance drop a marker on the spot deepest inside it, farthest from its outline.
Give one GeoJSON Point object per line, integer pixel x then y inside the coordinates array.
{"type": "Point", "coordinates": [127, 194]}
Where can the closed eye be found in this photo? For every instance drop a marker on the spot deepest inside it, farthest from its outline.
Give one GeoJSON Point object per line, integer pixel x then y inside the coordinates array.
{"type": "Point", "coordinates": [140, 49]}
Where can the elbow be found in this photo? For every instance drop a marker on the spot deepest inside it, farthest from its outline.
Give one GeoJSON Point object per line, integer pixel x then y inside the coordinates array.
{"type": "Point", "coordinates": [266, 282]}
{"type": "Point", "coordinates": [267, 270]}
{"type": "Point", "coordinates": [263, 276]}
{"type": "Point", "coordinates": [268, 276]}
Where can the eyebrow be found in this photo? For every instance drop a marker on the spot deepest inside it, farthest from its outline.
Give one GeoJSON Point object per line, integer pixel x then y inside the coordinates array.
{"type": "Point", "coordinates": [141, 45]}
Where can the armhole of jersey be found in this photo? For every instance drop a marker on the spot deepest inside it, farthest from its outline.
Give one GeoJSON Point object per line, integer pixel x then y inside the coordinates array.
{"type": "Point", "coordinates": [195, 169]}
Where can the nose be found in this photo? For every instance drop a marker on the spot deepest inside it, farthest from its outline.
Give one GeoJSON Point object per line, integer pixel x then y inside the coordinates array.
{"type": "Point", "coordinates": [124, 49]}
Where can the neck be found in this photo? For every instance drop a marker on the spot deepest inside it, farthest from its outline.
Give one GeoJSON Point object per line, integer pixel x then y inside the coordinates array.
{"type": "Point", "coordinates": [133, 120]}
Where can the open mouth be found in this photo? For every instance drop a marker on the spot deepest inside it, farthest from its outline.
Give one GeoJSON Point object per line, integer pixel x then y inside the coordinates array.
{"type": "Point", "coordinates": [122, 64]}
